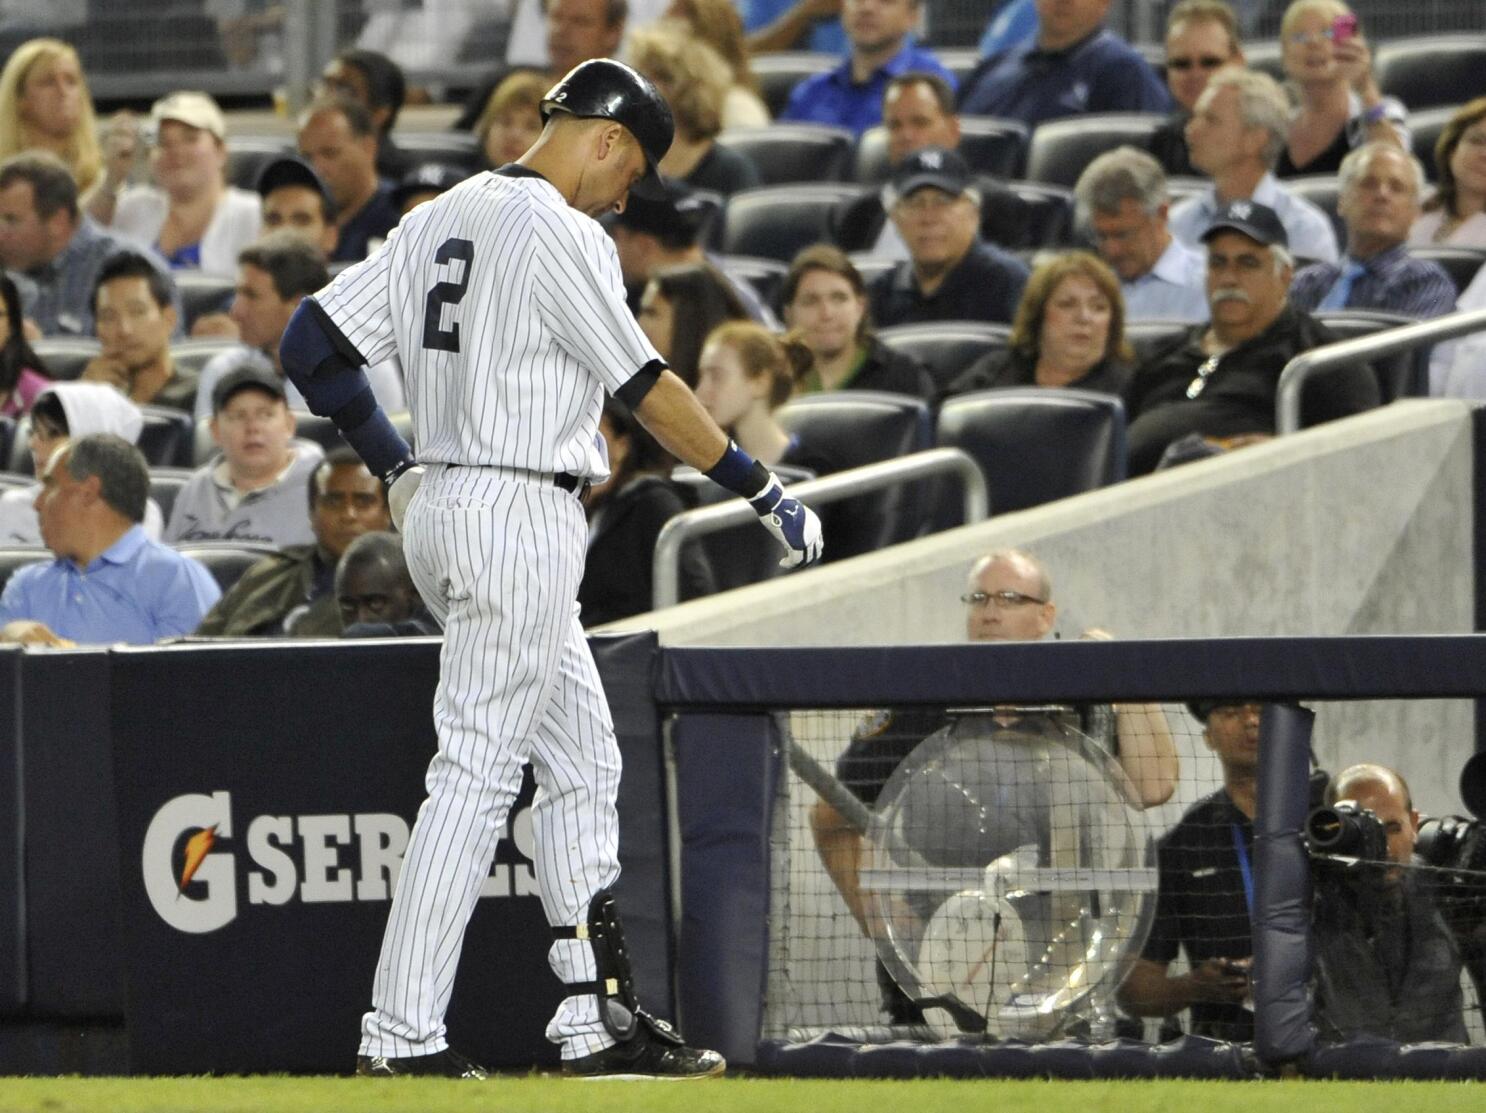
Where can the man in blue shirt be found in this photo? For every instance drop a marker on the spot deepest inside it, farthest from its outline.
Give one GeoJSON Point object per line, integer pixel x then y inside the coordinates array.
{"type": "Point", "coordinates": [850, 96]}
{"type": "Point", "coordinates": [1380, 194]}
{"type": "Point", "coordinates": [793, 25]}
{"type": "Point", "coordinates": [1076, 65]}
{"type": "Point", "coordinates": [1122, 201]}
{"type": "Point", "coordinates": [109, 582]}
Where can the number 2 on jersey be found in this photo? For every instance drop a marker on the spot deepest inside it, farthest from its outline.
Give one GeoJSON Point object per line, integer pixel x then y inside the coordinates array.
{"type": "Point", "coordinates": [435, 336]}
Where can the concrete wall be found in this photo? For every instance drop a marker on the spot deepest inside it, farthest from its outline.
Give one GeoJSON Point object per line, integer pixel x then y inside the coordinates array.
{"type": "Point", "coordinates": [1360, 526]}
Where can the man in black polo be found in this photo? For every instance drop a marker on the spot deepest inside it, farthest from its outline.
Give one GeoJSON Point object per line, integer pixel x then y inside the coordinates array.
{"type": "Point", "coordinates": [1205, 893]}
{"type": "Point", "coordinates": [1219, 380]}
{"type": "Point", "coordinates": [950, 274]}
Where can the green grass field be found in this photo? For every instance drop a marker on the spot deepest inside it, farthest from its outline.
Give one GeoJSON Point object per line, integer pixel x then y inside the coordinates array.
{"type": "Point", "coordinates": [534, 1094]}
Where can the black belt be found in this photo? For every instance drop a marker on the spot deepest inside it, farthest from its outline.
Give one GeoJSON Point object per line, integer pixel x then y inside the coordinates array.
{"type": "Point", "coordinates": [572, 484]}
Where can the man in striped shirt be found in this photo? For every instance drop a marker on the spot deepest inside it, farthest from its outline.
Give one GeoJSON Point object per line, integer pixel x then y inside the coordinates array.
{"type": "Point", "coordinates": [1380, 194]}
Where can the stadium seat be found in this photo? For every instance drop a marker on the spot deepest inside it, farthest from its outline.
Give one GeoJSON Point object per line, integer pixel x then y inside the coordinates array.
{"type": "Point", "coordinates": [1266, 56]}
{"type": "Point", "coordinates": [1424, 133]}
{"type": "Point", "coordinates": [1402, 375]}
{"type": "Point", "coordinates": [14, 559]}
{"type": "Point", "coordinates": [65, 356]}
{"type": "Point", "coordinates": [946, 348]}
{"type": "Point", "coordinates": [1060, 149]}
{"type": "Point", "coordinates": [1044, 218]}
{"type": "Point", "coordinates": [317, 430]}
{"type": "Point", "coordinates": [1179, 187]}
{"type": "Point", "coordinates": [1460, 263]}
{"type": "Point", "coordinates": [778, 73]}
{"type": "Point", "coordinates": [1149, 335]}
{"type": "Point", "coordinates": [1035, 445]}
{"type": "Point", "coordinates": [989, 144]}
{"type": "Point", "coordinates": [166, 484]}
{"type": "Point", "coordinates": [856, 427]}
{"type": "Point", "coordinates": [166, 436]}
{"type": "Point", "coordinates": [736, 557]}
{"type": "Point", "coordinates": [870, 266]}
{"type": "Point", "coordinates": [7, 437]}
{"type": "Point", "coordinates": [402, 421]}
{"type": "Point", "coordinates": [18, 450]}
{"type": "Point", "coordinates": [454, 148]}
{"type": "Point", "coordinates": [788, 153]}
{"type": "Point", "coordinates": [1432, 70]}
{"type": "Point", "coordinates": [775, 222]}
{"type": "Point", "coordinates": [247, 155]}
{"type": "Point", "coordinates": [202, 294]}
{"type": "Point", "coordinates": [766, 276]}
{"type": "Point", "coordinates": [1323, 191]}
{"type": "Point", "coordinates": [194, 355]}
{"type": "Point", "coordinates": [962, 60]}
{"type": "Point", "coordinates": [952, 23]}
{"type": "Point", "coordinates": [226, 561]}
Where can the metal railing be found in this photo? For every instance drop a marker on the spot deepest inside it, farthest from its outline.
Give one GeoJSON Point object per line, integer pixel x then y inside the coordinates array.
{"type": "Point", "coordinates": [1305, 366]}
{"type": "Point", "coordinates": [736, 512]}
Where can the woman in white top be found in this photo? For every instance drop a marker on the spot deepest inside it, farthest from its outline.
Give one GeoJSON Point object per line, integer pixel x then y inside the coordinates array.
{"type": "Point", "coordinates": [66, 411]}
{"type": "Point", "coordinates": [718, 24]}
{"type": "Point", "coordinates": [1456, 214]}
{"type": "Point", "coordinates": [192, 217]}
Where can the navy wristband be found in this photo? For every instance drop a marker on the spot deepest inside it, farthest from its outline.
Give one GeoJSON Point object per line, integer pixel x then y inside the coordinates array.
{"type": "Point", "coordinates": [739, 472]}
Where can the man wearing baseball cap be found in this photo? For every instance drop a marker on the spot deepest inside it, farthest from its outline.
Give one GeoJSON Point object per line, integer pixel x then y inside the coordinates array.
{"type": "Point", "coordinates": [1218, 381]}
{"type": "Point", "coordinates": [950, 273]}
{"type": "Point", "coordinates": [254, 490]}
{"type": "Point", "coordinates": [295, 199]}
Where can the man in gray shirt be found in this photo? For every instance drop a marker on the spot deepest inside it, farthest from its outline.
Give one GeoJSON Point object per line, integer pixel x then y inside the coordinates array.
{"type": "Point", "coordinates": [253, 491]}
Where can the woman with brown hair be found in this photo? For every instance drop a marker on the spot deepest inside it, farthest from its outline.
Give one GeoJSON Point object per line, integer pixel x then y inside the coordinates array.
{"type": "Point", "coordinates": [1069, 332]}
{"type": "Point", "coordinates": [825, 300]}
{"type": "Point", "coordinates": [45, 105]}
{"type": "Point", "coordinates": [744, 375]}
{"type": "Point", "coordinates": [679, 307]}
{"type": "Point", "coordinates": [695, 81]}
{"type": "Point", "coordinates": [512, 118]}
{"type": "Point", "coordinates": [718, 24]}
{"type": "Point", "coordinates": [1456, 214]}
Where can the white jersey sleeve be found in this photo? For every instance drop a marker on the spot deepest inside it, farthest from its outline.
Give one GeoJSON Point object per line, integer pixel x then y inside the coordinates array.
{"type": "Point", "coordinates": [359, 301]}
{"type": "Point", "coordinates": [579, 293]}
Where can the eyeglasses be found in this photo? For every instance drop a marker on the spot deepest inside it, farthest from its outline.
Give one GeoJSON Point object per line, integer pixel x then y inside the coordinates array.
{"type": "Point", "coordinates": [1205, 62]}
{"type": "Point", "coordinates": [1004, 600]}
{"type": "Point", "coordinates": [1301, 38]}
{"type": "Point", "coordinates": [1199, 384]}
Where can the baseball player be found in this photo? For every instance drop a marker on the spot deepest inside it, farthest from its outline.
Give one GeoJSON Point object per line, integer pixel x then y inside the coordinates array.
{"type": "Point", "coordinates": [504, 302]}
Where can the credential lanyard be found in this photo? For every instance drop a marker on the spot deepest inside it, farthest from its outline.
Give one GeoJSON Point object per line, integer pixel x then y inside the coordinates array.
{"type": "Point", "coordinates": [1244, 868]}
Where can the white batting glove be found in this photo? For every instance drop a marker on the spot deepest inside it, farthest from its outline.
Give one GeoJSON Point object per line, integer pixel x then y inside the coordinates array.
{"type": "Point", "coordinates": [793, 524]}
{"type": "Point", "coordinates": [401, 493]}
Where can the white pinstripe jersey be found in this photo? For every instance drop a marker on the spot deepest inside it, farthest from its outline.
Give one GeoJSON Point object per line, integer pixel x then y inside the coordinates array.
{"type": "Point", "coordinates": [507, 309]}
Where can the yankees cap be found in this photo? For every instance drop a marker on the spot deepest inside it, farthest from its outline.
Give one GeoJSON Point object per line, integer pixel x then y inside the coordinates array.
{"type": "Point", "coordinates": [1249, 218]}
{"type": "Point", "coordinates": [245, 378]}
{"type": "Point", "coordinates": [932, 166]}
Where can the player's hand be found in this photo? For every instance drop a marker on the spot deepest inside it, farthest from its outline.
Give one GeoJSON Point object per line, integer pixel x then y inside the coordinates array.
{"type": "Point", "coordinates": [793, 524]}
{"type": "Point", "coordinates": [1219, 980]}
{"type": "Point", "coordinates": [401, 493]}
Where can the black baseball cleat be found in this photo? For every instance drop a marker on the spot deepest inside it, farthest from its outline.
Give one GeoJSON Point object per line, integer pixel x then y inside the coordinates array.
{"type": "Point", "coordinates": [654, 1053]}
{"type": "Point", "coordinates": [441, 1064]}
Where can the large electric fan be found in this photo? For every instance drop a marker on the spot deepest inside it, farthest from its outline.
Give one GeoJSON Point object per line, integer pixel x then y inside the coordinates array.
{"type": "Point", "coordinates": [1005, 872]}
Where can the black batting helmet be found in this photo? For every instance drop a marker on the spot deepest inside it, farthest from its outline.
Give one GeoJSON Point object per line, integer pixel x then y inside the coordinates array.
{"type": "Point", "coordinates": [605, 89]}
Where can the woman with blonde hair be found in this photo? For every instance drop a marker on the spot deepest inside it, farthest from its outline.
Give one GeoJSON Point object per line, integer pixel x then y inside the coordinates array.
{"type": "Point", "coordinates": [45, 105]}
{"type": "Point", "coordinates": [694, 80]}
{"type": "Point", "coordinates": [512, 118]}
{"type": "Point", "coordinates": [1329, 69]}
{"type": "Point", "coordinates": [1069, 332]}
{"type": "Point", "coordinates": [1456, 213]}
{"type": "Point", "coordinates": [718, 24]}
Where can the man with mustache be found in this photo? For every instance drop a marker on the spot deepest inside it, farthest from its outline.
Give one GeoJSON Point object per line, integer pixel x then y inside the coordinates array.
{"type": "Point", "coordinates": [1217, 381]}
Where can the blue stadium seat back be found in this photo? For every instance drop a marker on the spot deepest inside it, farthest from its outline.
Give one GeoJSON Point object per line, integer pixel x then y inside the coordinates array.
{"type": "Point", "coordinates": [1036, 445]}
{"type": "Point", "coordinates": [766, 276]}
{"type": "Point", "coordinates": [166, 484]}
{"type": "Point", "coordinates": [12, 560]}
{"type": "Point", "coordinates": [1429, 71]}
{"type": "Point", "coordinates": [1060, 149]}
{"type": "Point", "coordinates": [851, 428]}
{"type": "Point", "coordinates": [1401, 375]}
{"type": "Point", "coordinates": [776, 222]}
{"type": "Point", "coordinates": [787, 153]}
{"type": "Point", "coordinates": [1043, 217]}
{"type": "Point", "coordinates": [202, 294]}
{"type": "Point", "coordinates": [1323, 191]}
{"type": "Point", "coordinates": [778, 73]}
{"type": "Point", "coordinates": [453, 148]}
{"type": "Point", "coordinates": [946, 348]}
{"type": "Point", "coordinates": [736, 557]}
{"type": "Point", "coordinates": [167, 436]}
{"type": "Point", "coordinates": [193, 355]}
{"type": "Point", "coordinates": [226, 561]}
{"type": "Point", "coordinates": [1424, 134]}
{"type": "Point", "coordinates": [247, 155]}
{"type": "Point", "coordinates": [1460, 263]}
{"type": "Point", "coordinates": [65, 356]}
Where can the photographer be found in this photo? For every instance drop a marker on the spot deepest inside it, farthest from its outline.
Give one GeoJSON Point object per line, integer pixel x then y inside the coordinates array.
{"type": "Point", "coordinates": [1386, 964]}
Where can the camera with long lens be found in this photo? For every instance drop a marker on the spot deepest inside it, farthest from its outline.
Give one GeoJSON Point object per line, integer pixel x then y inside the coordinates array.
{"type": "Point", "coordinates": [1345, 830]}
{"type": "Point", "coordinates": [1452, 842]}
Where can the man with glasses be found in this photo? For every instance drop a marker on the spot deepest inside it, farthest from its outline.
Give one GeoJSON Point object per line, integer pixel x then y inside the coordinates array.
{"type": "Point", "coordinates": [1201, 39]}
{"type": "Point", "coordinates": [1008, 598]}
{"type": "Point", "coordinates": [950, 273]}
